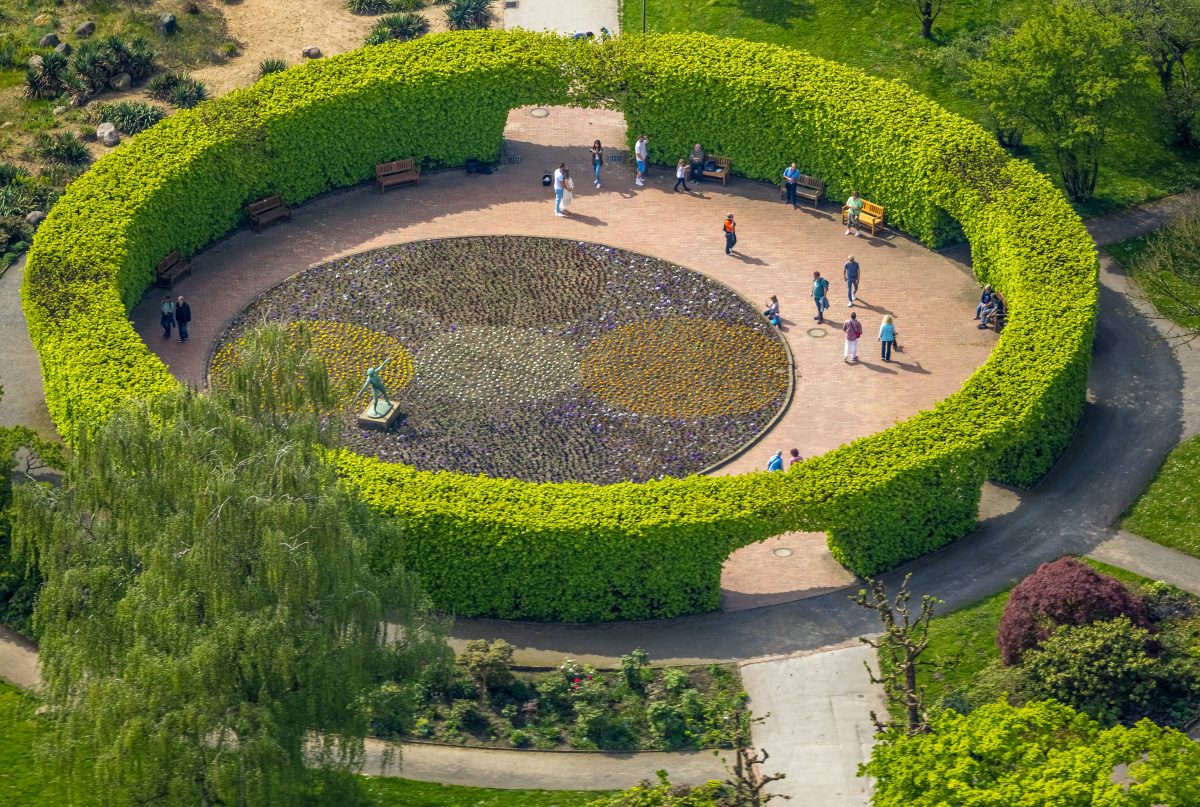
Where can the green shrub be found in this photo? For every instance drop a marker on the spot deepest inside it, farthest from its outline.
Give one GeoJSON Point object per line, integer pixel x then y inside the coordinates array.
{"type": "Point", "coordinates": [44, 78]}
{"type": "Point", "coordinates": [269, 66]}
{"type": "Point", "coordinates": [573, 551]}
{"type": "Point", "coordinates": [463, 15]}
{"type": "Point", "coordinates": [368, 6]}
{"type": "Point", "coordinates": [1112, 672]}
{"type": "Point", "coordinates": [60, 147]}
{"type": "Point", "coordinates": [187, 93]}
{"type": "Point", "coordinates": [130, 117]}
{"type": "Point", "coordinates": [400, 27]}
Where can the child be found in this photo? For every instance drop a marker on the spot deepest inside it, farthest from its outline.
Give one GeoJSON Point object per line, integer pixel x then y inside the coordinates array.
{"type": "Point", "coordinates": [681, 176]}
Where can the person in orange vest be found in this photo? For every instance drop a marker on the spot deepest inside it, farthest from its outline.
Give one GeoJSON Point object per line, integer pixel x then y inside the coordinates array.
{"type": "Point", "coordinates": [730, 234]}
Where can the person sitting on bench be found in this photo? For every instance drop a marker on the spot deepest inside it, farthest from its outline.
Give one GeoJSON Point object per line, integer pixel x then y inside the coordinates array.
{"type": "Point", "coordinates": [991, 312]}
{"type": "Point", "coordinates": [985, 300]}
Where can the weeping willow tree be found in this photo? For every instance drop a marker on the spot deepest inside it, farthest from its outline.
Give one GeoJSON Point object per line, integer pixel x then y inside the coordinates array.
{"type": "Point", "coordinates": [213, 610]}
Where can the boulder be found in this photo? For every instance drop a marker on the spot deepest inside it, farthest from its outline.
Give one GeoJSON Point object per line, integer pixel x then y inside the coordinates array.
{"type": "Point", "coordinates": [85, 29]}
{"type": "Point", "coordinates": [48, 41]}
{"type": "Point", "coordinates": [166, 25]}
{"type": "Point", "coordinates": [35, 217]}
{"type": "Point", "coordinates": [121, 81]}
{"type": "Point", "coordinates": [58, 110]}
{"type": "Point", "coordinates": [35, 61]}
{"type": "Point", "coordinates": [311, 52]}
{"type": "Point", "coordinates": [107, 134]}
{"type": "Point", "coordinates": [63, 48]}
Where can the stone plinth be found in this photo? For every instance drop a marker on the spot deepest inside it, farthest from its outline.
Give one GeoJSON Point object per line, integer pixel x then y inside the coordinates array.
{"type": "Point", "coordinates": [369, 420]}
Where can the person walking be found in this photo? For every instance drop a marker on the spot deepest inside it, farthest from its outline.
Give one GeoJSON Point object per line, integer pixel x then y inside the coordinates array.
{"type": "Point", "coordinates": [887, 337]}
{"type": "Point", "coordinates": [681, 176]}
{"type": "Point", "coordinates": [795, 457]}
{"type": "Point", "coordinates": [776, 461]}
{"type": "Point", "coordinates": [167, 319]}
{"type": "Point", "coordinates": [597, 161]}
{"type": "Point", "coordinates": [854, 207]}
{"type": "Point", "coordinates": [790, 175]}
{"type": "Point", "coordinates": [559, 187]}
{"type": "Point", "coordinates": [730, 230]}
{"type": "Point", "coordinates": [641, 152]}
{"type": "Point", "coordinates": [696, 161]}
{"type": "Point", "coordinates": [183, 316]}
{"type": "Point", "coordinates": [820, 289]}
{"type": "Point", "coordinates": [850, 274]}
{"type": "Point", "coordinates": [853, 330]}
{"type": "Point", "coordinates": [568, 190]}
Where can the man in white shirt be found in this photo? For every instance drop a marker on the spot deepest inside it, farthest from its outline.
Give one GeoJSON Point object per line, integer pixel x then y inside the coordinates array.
{"type": "Point", "coordinates": [558, 188]}
{"type": "Point", "coordinates": [641, 151]}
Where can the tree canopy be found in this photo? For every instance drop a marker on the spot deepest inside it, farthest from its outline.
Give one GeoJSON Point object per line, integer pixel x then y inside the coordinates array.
{"type": "Point", "coordinates": [213, 610]}
{"type": "Point", "coordinates": [1029, 756]}
{"type": "Point", "coordinates": [1066, 72]}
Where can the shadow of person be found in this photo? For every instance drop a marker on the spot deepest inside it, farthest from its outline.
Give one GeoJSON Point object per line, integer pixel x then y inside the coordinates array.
{"type": "Point", "coordinates": [747, 259]}
{"type": "Point", "coordinates": [591, 221]}
{"type": "Point", "coordinates": [877, 368]}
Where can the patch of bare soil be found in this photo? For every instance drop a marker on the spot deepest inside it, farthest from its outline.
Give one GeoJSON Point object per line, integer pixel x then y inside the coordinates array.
{"type": "Point", "coordinates": [282, 29]}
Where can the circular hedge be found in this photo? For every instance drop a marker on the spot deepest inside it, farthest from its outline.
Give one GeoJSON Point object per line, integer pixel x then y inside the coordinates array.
{"type": "Point", "coordinates": [574, 551]}
{"type": "Point", "coordinates": [541, 359]}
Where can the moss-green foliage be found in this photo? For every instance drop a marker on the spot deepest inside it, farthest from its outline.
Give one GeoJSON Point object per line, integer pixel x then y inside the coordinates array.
{"type": "Point", "coordinates": [575, 551]}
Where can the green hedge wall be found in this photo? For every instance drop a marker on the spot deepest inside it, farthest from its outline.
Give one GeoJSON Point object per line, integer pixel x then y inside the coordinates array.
{"type": "Point", "coordinates": [579, 552]}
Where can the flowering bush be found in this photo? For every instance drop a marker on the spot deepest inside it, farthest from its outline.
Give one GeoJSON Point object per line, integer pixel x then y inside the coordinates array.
{"type": "Point", "coordinates": [677, 371]}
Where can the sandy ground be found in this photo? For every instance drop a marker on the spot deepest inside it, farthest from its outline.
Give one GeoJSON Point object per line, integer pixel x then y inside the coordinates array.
{"type": "Point", "coordinates": [281, 29]}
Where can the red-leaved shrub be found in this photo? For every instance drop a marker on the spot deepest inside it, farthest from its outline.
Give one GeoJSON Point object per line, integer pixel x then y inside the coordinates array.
{"type": "Point", "coordinates": [1065, 592]}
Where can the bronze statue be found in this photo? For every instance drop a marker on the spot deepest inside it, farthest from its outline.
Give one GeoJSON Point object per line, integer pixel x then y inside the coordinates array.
{"type": "Point", "coordinates": [375, 383]}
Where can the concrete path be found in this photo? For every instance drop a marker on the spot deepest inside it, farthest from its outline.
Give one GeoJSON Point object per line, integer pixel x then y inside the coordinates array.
{"type": "Point", "coordinates": [23, 403]}
{"type": "Point", "coordinates": [564, 16]}
{"type": "Point", "coordinates": [532, 770]}
{"type": "Point", "coordinates": [1139, 219]}
{"type": "Point", "coordinates": [819, 730]}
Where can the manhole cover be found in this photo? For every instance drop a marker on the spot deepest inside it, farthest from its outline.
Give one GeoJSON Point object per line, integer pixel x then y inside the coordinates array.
{"type": "Point", "coordinates": [539, 112]}
{"type": "Point", "coordinates": [782, 552]}
{"type": "Point", "coordinates": [816, 333]}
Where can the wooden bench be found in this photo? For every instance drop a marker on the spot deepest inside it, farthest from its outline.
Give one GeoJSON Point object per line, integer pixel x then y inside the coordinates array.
{"type": "Point", "coordinates": [171, 268]}
{"type": "Point", "coordinates": [397, 172]}
{"type": "Point", "coordinates": [1000, 318]}
{"type": "Point", "coordinates": [720, 168]}
{"type": "Point", "coordinates": [871, 215]}
{"type": "Point", "coordinates": [268, 210]}
{"type": "Point", "coordinates": [809, 188]}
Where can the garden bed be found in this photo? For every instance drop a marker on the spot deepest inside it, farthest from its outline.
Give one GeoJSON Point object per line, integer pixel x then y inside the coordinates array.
{"type": "Point", "coordinates": [482, 701]}
{"type": "Point", "coordinates": [537, 359]}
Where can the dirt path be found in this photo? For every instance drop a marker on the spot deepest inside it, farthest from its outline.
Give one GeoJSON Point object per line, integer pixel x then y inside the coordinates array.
{"type": "Point", "coordinates": [274, 29]}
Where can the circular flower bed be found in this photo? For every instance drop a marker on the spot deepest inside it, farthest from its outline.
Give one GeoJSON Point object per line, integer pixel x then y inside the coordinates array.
{"type": "Point", "coordinates": [539, 359]}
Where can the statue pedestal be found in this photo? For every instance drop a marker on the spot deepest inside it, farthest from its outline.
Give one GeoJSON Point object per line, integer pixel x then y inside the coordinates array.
{"type": "Point", "coordinates": [369, 420]}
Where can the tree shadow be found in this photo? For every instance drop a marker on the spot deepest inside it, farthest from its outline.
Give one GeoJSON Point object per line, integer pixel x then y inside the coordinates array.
{"type": "Point", "coordinates": [777, 12]}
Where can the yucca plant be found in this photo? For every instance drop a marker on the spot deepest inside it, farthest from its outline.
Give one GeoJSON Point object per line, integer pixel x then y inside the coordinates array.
{"type": "Point", "coordinates": [407, 5]}
{"type": "Point", "coordinates": [44, 78]}
{"type": "Point", "coordinates": [402, 27]}
{"type": "Point", "coordinates": [141, 56]}
{"type": "Point", "coordinates": [368, 6]}
{"type": "Point", "coordinates": [269, 66]}
{"type": "Point", "coordinates": [187, 93]}
{"type": "Point", "coordinates": [462, 15]}
{"type": "Point", "coordinates": [160, 85]}
{"type": "Point", "coordinates": [9, 173]}
{"type": "Point", "coordinates": [88, 63]}
{"type": "Point", "coordinates": [60, 147]}
{"type": "Point", "coordinates": [115, 54]}
{"type": "Point", "coordinates": [130, 117]}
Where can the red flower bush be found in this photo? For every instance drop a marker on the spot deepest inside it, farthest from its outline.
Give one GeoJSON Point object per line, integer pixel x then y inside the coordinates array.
{"type": "Point", "coordinates": [1065, 592]}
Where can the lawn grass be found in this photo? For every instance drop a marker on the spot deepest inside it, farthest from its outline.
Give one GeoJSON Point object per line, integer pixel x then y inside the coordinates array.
{"type": "Point", "coordinates": [884, 39]}
{"type": "Point", "coordinates": [1132, 256]}
{"type": "Point", "coordinates": [1168, 512]}
{"type": "Point", "coordinates": [23, 782]}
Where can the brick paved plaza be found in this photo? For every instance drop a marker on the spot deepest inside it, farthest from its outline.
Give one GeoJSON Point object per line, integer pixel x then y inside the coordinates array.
{"type": "Point", "coordinates": [931, 297]}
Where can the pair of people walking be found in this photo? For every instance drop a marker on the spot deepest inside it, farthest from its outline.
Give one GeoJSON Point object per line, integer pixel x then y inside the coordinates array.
{"type": "Point", "coordinates": [854, 331]}
{"type": "Point", "coordinates": [175, 314]}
